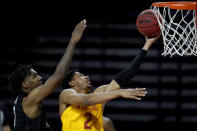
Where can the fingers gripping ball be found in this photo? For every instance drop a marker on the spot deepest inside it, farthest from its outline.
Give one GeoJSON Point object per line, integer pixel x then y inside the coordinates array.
{"type": "Point", "coordinates": [147, 24]}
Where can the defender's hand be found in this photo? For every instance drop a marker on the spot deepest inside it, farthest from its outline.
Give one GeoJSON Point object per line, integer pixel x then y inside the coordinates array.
{"type": "Point", "coordinates": [78, 31]}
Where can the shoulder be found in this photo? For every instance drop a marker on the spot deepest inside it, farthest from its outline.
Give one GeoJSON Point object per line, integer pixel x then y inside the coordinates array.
{"type": "Point", "coordinates": [64, 96]}
{"type": "Point", "coordinates": [66, 92]}
{"type": "Point", "coordinates": [33, 92]}
{"type": "Point", "coordinates": [31, 96]}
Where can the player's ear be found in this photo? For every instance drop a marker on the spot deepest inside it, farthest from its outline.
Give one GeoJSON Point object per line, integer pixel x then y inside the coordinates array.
{"type": "Point", "coordinates": [24, 84]}
{"type": "Point", "coordinates": [71, 83]}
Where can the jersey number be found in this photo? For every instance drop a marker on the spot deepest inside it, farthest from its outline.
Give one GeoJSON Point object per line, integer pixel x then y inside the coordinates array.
{"type": "Point", "coordinates": [89, 118]}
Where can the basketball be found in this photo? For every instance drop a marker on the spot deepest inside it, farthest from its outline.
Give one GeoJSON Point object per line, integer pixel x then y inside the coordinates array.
{"type": "Point", "coordinates": [147, 24]}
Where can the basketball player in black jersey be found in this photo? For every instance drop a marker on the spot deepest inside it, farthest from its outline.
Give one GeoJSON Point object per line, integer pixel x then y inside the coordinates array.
{"type": "Point", "coordinates": [27, 83]}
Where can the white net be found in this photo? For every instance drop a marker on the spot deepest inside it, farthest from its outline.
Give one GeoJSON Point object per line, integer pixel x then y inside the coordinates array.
{"type": "Point", "coordinates": [178, 30]}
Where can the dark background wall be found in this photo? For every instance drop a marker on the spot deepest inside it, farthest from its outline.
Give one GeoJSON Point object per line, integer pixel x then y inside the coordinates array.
{"type": "Point", "coordinates": [38, 34]}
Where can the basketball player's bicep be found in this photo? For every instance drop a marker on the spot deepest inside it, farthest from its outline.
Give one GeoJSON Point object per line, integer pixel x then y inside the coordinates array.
{"type": "Point", "coordinates": [112, 86]}
{"type": "Point", "coordinates": [101, 88]}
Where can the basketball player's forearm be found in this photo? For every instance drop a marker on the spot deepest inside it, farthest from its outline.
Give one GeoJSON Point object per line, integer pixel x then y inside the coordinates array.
{"type": "Point", "coordinates": [149, 42]}
{"type": "Point", "coordinates": [127, 74]}
{"type": "Point", "coordinates": [146, 46]}
{"type": "Point", "coordinates": [64, 64]}
{"type": "Point", "coordinates": [96, 98]}
{"type": "Point", "coordinates": [58, 76]}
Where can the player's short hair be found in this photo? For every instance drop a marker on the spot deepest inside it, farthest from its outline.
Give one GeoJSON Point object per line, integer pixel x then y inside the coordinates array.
{"type": "Point", "coordinates": [68, 78]}
{"type": "Point", "coordinates": [18, 76]}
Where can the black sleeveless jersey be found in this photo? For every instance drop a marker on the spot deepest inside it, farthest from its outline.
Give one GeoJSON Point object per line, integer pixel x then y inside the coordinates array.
{"type": "Point", "coordinates": [22, 122]}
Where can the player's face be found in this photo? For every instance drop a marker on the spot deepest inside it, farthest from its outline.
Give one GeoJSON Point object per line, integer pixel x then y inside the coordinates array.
{"type": "Point", "coordinates": [33, 80]}
{"type": "Point", "coordinates": [82, 81]}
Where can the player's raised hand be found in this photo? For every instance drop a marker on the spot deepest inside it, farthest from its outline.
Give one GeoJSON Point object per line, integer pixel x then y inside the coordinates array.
{"type": "Point", "coordinates": [133, 93]}
{"type": "Point", "coordinates": [150, 41]}
{"type": "Point", "coordinates": [78, 31]}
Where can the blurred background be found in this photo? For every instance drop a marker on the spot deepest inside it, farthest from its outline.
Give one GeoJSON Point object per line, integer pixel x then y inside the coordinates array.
{"type": "Point", "coordinates": [38, 34]}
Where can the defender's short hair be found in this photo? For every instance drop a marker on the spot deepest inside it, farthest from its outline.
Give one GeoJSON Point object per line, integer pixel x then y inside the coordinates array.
{"type": "Point", "coordinates": [18, 76]}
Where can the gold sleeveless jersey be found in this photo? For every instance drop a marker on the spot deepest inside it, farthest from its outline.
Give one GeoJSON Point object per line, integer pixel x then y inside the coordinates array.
{"type": "Point", "coordinates": [83, 118]}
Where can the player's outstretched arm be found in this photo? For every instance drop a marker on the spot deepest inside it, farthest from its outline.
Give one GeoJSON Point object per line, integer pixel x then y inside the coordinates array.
{"type": "Point", "coordinates": [70, 96]}
{"type": "Point", "coordinates": [129, 72]}
{"type": "Point", "coordinates": [63, 66]}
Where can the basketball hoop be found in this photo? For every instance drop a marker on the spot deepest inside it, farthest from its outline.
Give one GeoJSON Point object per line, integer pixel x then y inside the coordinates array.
{"type": "Point", "coordinates": [177, 21]}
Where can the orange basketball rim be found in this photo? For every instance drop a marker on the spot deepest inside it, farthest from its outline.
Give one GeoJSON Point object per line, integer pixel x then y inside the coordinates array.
{"type": "Point", "coordinates": [178, 27]}
{"type": "Point", "coordinates": [177, 5]}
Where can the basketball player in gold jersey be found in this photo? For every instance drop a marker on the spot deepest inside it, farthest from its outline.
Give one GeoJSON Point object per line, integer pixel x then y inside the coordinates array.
{"type": "Point", "coordinates": [81, 110]}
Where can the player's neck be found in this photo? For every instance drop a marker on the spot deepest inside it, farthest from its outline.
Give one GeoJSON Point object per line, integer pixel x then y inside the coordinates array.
{"type": "Point", "coordinates": [80, 91]}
